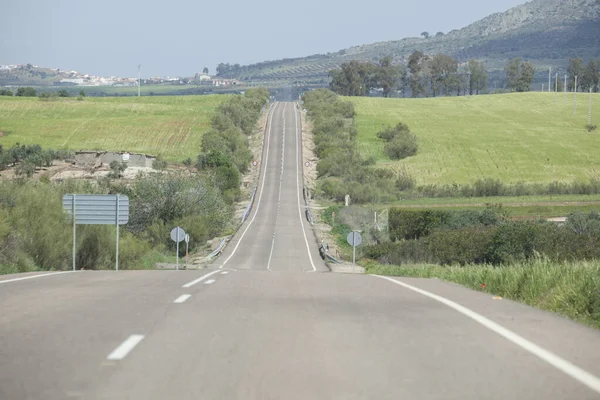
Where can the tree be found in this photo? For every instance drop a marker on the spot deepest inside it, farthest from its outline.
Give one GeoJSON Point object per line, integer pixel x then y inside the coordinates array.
{"type": "Point", "coordinates": [81, 93]}
{"type": "Point", "coordinates": [513, 71]}
{"type": "Point", "coordinates": [205, 70]}
{"type": "Point", "coordinates": [26, 92]}
{"type": "Point", "coordinates": [526, 77]}
{"type": "Point", "coordinates": [590, 77]}
{"type": "Point", "coordinates": [519, 75]}
{"type": "Point", "coordinates": [416, 65]}
{"type": "Point", "coordinates": [576, 69]}
{"type": "Point", "coordinates": [478, 77]}
{"type": "Point", "coordinates": [442, 67]}
{"type": "Point", "coordinates": [63, 93]}
{"type": "Point", "coordinates": [6, 92]}
{"type": "Point", "coordinates": [439, 34]}
{"type": "Point", "coordinates": [386, 75]}
{"type": "Point", "coordinates": [425, 34]}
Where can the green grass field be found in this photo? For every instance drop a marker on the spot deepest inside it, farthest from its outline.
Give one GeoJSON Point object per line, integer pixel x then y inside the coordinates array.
{"type": "Point", "coordinates": [168, 126]}
{"type": "Point", "coordinates": [513, 137]}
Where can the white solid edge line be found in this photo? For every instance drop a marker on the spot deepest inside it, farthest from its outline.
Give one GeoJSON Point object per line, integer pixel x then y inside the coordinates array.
{"type": "Point", "coordinates": [182, 298]}
{"type": "Point", "coordinates": [557, 362]}
{"type": "Point", "coordinates": [37, 276]}
{"type": "Point", "coordinates": [203, 277]}
{"type": "Point", "coordinates": [264, 167]}
{"type": "Point", "coordinates": [298, 190]}
{"type": "Point", "coordinates": [124, 348]}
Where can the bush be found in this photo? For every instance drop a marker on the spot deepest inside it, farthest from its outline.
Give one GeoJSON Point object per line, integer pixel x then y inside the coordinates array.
{"type": "Point", "coordinates": [26, 92]}
{"type": "Point", "coordinates": [6, 92]}
{"type": "Point", "coordinates": [414, 224]}
{"type": "Point", "coordinates": [402, 147]}
{"type": "Point", "coordinates": [160, 164]}
{"type": "Point", "coordinates": [591, 128]}
{"type": "Point", "coordinates": [401, 143]}
{"type": "Point", "coordinates": [460, 246]}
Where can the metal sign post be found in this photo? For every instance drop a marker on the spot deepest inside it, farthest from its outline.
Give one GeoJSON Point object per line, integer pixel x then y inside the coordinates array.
{"type": "Point", "coordinates": [187, 248]}
{"type": "Point", "coordinates": [93, 209]}
{"type": "Point", "coordinates": [177, 235]}
{"type": "Point", "coordinates": [354, 239]}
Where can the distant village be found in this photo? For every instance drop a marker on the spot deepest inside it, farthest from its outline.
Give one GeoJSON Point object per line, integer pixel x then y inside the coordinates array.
{"type": "Point", "coordinates": [74, 78]}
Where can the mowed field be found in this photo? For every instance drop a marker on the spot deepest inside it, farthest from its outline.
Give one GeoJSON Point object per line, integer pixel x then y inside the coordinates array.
{"type": "Point", "coordinates": [530, 137]}
{"type": "Point", "coordinates": [170, 126]}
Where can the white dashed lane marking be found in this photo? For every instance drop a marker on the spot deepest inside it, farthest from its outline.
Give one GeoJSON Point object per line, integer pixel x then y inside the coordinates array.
{"type": "Point", "coordinates": [182, 298]}
{"type": "Point", "coordinates": [124, 348]}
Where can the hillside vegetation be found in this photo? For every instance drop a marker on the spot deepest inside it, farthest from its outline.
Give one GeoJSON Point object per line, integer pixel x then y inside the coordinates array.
{"type": "Point", "coordinates": [168, 126]}
{"type": "Point", "coordinates": [515, 138]}
{"type": "Point", "coordinates": [547, 32]}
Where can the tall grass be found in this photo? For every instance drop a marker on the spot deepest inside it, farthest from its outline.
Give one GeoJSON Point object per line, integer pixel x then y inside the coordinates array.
{"type": "Point", "coordinates": [569, 289]}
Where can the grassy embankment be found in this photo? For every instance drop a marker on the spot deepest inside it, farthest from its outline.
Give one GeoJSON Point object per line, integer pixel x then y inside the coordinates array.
{"type": "Point", "coordinates": [168, 126]}
{"type": "Point", "coordinates": [531, 138]}
{"type": "Point", "coordinates": [570, 289]}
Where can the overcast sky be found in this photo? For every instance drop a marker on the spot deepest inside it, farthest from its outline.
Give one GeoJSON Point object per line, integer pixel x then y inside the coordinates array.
{"type": "Point", "coordinates": [180, 37]}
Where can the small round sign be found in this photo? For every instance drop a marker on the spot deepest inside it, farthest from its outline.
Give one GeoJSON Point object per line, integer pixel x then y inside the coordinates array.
{"type": "Point", "coordinates": [187, 238]}
{"type": "Point", "coordinates": [354, 239]}
{"type": "Point", "coordinates": [177, 235]}
{"type": "Point", "coordinates": [255, 163]}
{"type": "Point", "coordinates": [307, 164]}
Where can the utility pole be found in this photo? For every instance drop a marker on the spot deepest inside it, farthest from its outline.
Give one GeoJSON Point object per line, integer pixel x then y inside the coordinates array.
{"type": "Point", "coordinates": [575, 98]}
{"type": "Point", "coordinates": [549, 79]}
{"type": "Point", "coordinates": [590, 109]}
{"type": "Point", "coordinates": [555, 87]}
{"type": "Point", "coordinates": [565, 90]}
{"type": "Point", "coordinates": [139, 79]}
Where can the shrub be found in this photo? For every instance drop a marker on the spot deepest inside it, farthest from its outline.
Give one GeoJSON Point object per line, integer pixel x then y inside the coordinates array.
{"type": "Point", "coordinates": [414, 224]}
{"type": "Point", "coordinates": [159, 164]}
{"type": "Point", "coordinates": [591, 128]}
{"type": "Point", "coordinates": [402, 147]}
{"type": "Point", "coordinates": [460, 246]}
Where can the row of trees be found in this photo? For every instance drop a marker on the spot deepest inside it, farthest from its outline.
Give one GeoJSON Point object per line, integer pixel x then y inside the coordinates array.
{"type": "Point", "coordinates": [441, 74]}
{"type": "Point", "coordinates": [424, 74]}
{"type": "Point", "coordinates": [588, 77]}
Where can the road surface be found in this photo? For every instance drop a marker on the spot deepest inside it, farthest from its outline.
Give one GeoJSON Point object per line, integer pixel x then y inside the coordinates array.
{"type": "Point", "coordinates": [268, 321]}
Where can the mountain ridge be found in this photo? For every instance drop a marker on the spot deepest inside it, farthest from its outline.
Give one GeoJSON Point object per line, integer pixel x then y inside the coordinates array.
{"type": "Point", "coordinates": [547, 32]}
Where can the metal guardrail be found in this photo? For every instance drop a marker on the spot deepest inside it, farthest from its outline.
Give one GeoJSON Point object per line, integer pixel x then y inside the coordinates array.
{"type": "Point", "coordinates": [324, 252]}
{"type": "Point", "coordinates": [249, 208]}
{"type": "Point", "coordinates": [217, 251]}
{"type": "Point", "coordinates": [309, 216]}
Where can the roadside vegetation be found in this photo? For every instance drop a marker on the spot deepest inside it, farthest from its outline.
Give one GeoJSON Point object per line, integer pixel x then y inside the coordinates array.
{"type": "Point", "coordinates": [34, 229]}
{"type": "Point", "coordinates": [571, 289]}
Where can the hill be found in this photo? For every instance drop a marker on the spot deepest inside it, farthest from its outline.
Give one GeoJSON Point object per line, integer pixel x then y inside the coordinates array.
{"type": "Point", "coordinates": [512, 137]}
{"type": "Point", "coordinates": [167, 126]}
{"type": "Point", "coordinates": [547, 32]}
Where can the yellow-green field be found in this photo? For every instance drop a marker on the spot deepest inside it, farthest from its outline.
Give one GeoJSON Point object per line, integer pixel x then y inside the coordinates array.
{"type": "Point", "coordinates": [513, 137]}
{"type": "Point", "coordinates": [168, 126]}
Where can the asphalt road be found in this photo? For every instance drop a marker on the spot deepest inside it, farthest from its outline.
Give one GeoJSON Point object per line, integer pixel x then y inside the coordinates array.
{"type": "Point", "coordinates": [268, 321]}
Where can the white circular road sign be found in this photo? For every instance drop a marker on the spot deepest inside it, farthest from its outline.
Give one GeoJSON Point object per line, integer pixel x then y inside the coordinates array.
{"type": "Point", "coordinates": [177, 235]}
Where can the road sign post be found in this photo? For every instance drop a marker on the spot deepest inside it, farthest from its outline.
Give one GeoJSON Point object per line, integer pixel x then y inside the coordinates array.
{"type": "Point", "coordinates": [177, 235]}
{"type": "Point", "coordinates": [354, 239]}
{"type": "Point", "coordinates": [187, 248]}
{"type": "Point", "coordinates": [93, 209]}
